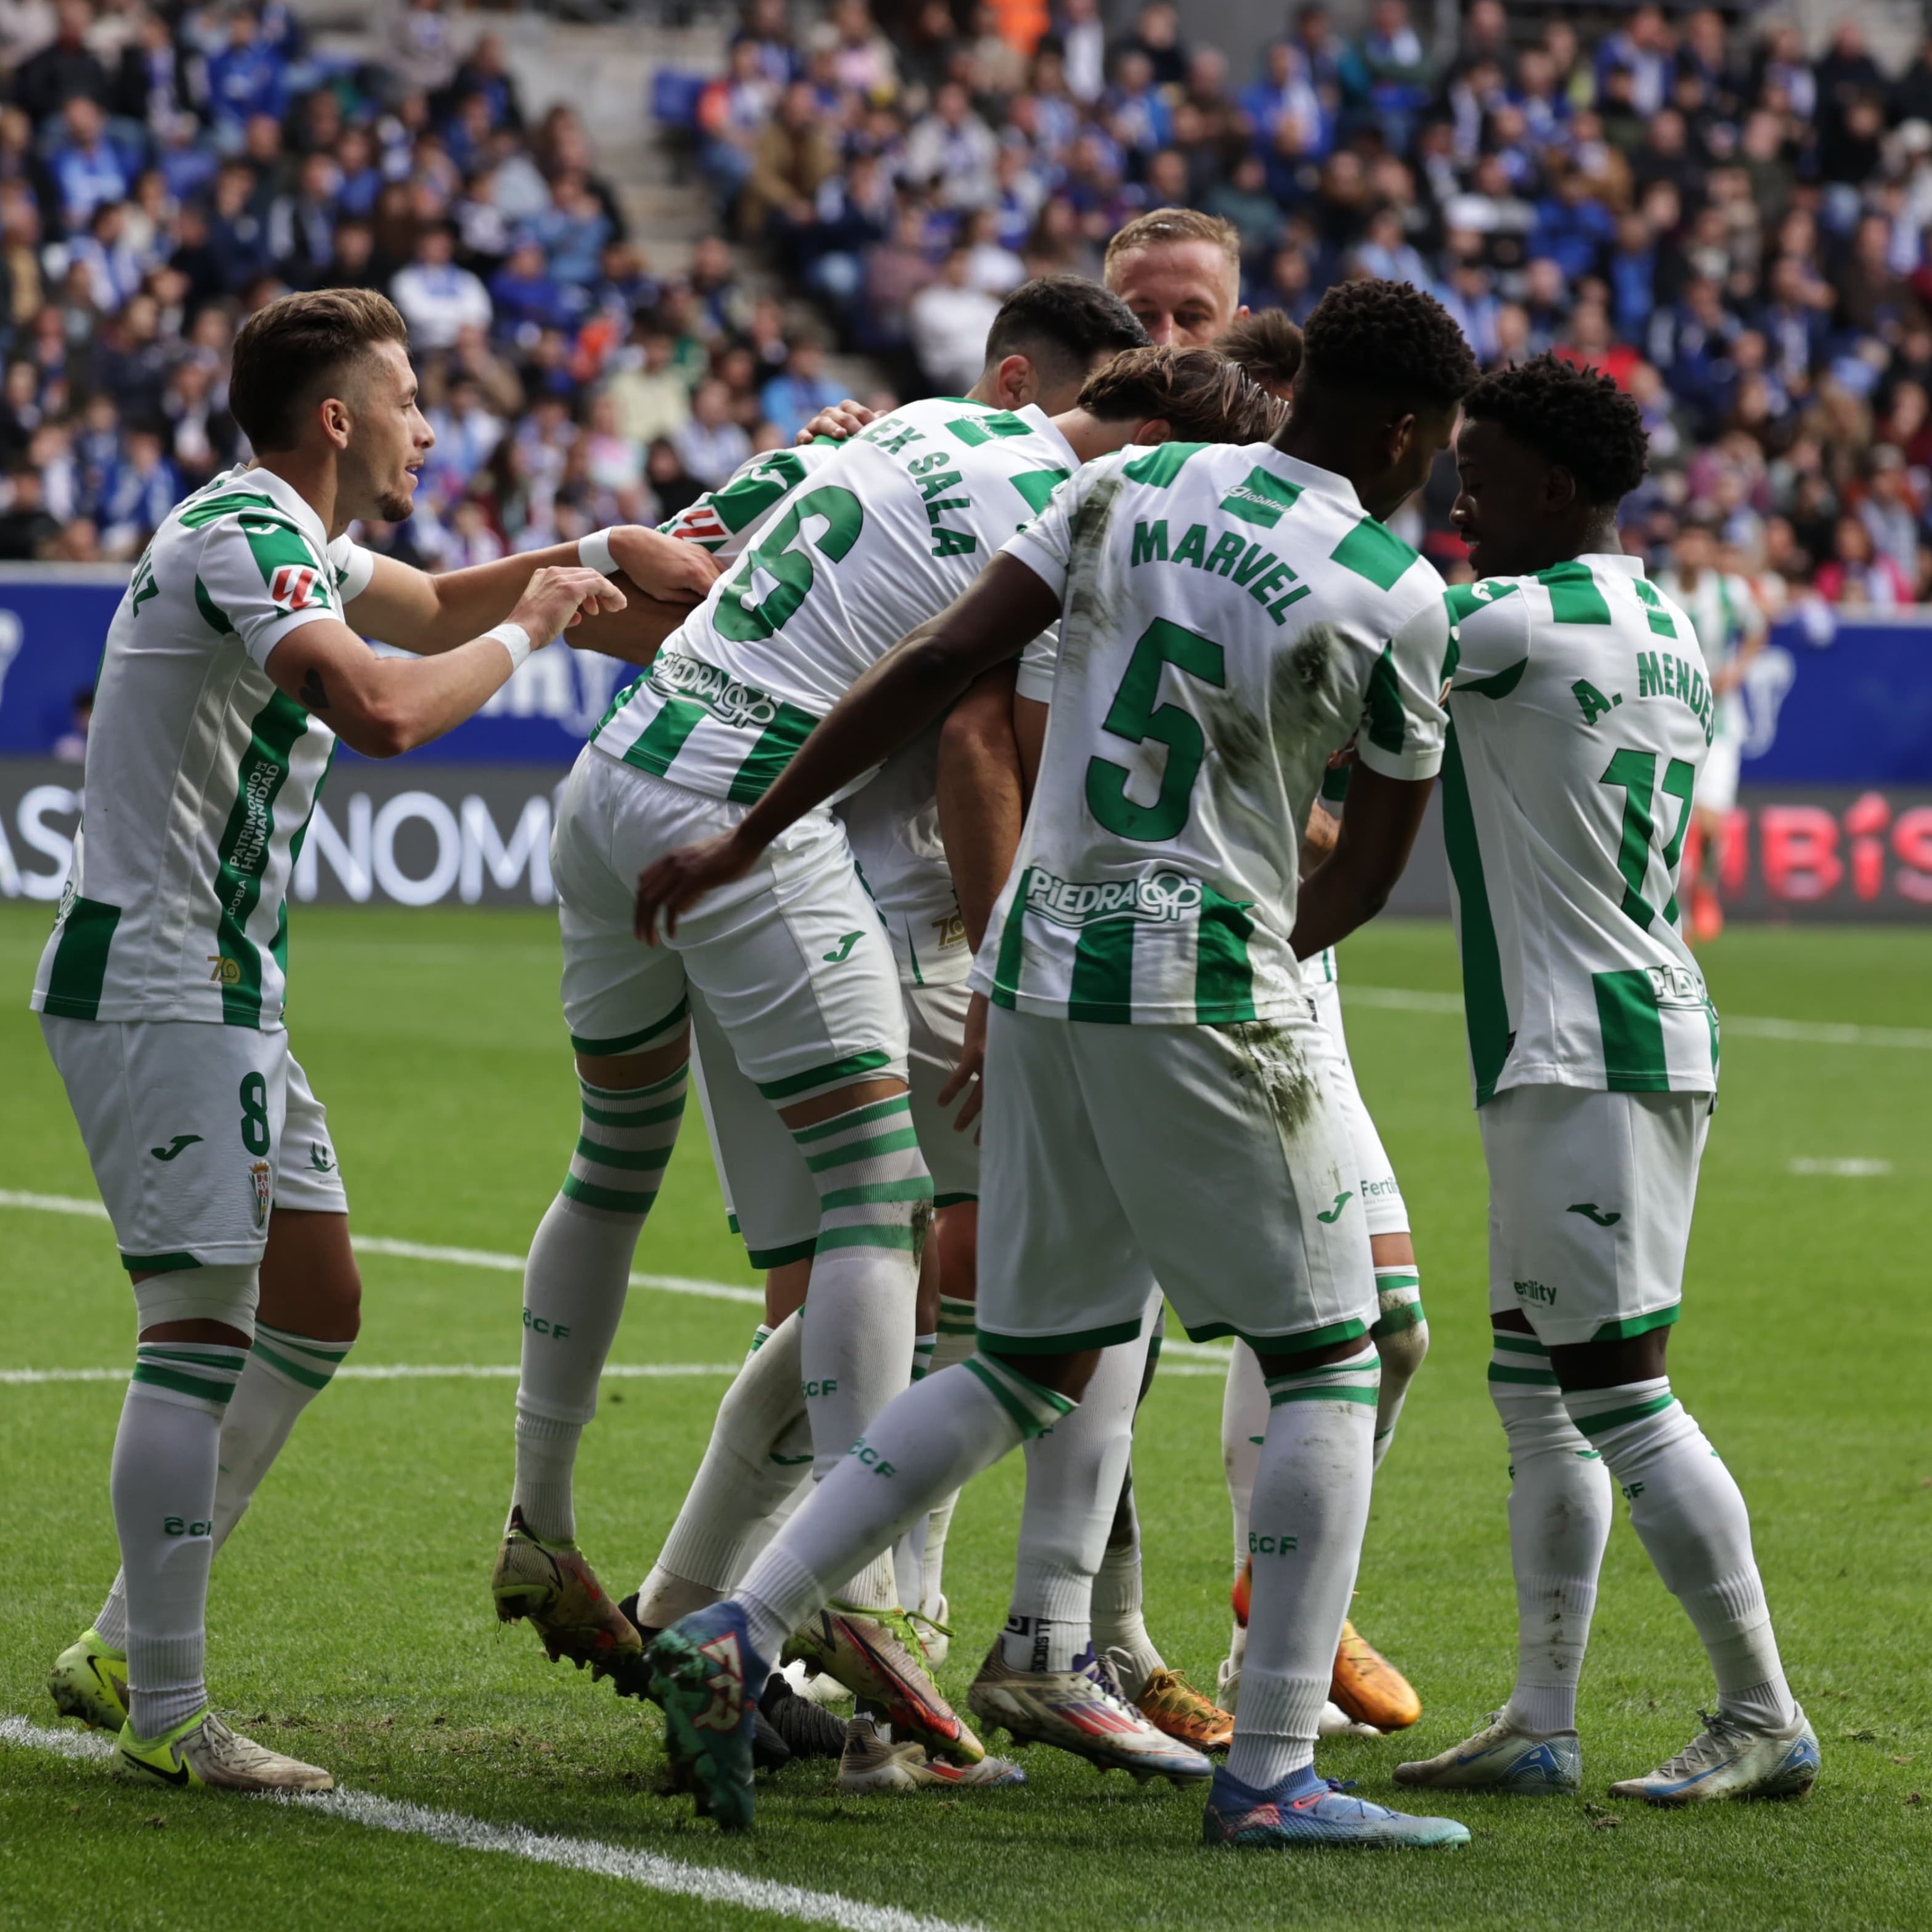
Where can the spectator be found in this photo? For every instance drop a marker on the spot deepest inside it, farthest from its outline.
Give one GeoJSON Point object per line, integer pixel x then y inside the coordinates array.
{"type": "Point", "coordinates": [793, 158]}
{"type": "Point", "coordinates": [245, 78]}
{"type": "Point", "coordinates": [789, 401]}
{"type": "Point", "coordinates": [711, 445]}
{"type": "Point", "coordinates": [1858, 576]}
{"type": "Point", "coordinates": [652, 399]}
{"type": "Point", "coordinates": [420, 47]}
{"type": "Point", "coordinates": [71, 747]}
{"type": "Point", "coordinates": [88, 168]}
{"type": "Point", "coordinates": [67, 69]}
{"type": "Point", "coordinates": [26, 529]}
{"type": "Point", "coordinates": [436, 298]}
{"type": "Point", "coordinates": [948, 321]}
{"type": "Point", "coordinates": [951, 152]}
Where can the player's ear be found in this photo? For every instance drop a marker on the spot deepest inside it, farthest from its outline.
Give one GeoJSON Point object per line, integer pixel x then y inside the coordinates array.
{"type": "Point", "coordinates": [1017, 382]}
{"type": "Point", "coordinates": [1559, 487]}
{"type": "Point", "coordinates": [1398, 436]}
{"type": "Point", "coordinates": [1156, 429]}
{"type": "Point", "coordinates": [333, 413]}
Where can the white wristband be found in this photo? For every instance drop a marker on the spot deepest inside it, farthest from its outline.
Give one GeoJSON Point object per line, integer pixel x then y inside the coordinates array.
{"type": "Point", "coordinates": [515, 639]}
{"type": "Point", "coordinates": [593, 552]}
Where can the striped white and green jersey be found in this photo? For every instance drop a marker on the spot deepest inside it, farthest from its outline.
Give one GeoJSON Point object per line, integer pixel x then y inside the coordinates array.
{"type": "Point", "coordinates": [200, 774]}
{"type": "Point", "coordinates": [1723, 611]}
{"type": "Point", "coordinates": [723, 521]}
{"type": "Point", "coordinates": [1227, 615]}
{"type": "Point", "coordinates": [885, 534]}
{"type": "Point", "coordinates": [1579, 712]}
{"type": "Point", "coordinates": [892, 823]}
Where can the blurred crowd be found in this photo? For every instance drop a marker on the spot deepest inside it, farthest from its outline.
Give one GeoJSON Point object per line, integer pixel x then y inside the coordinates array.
{"type": "Point", "coordinates": [1735, 229]}
{"type": "Point", "coordinates": [164, 173]}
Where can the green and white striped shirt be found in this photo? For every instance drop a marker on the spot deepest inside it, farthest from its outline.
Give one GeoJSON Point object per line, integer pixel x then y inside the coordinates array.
{"type": "Point", "coordinates": [1579, 712]}
{"type": "Point", "coordinates": [870, 543]}
{"type": "Point", "coordinates": [200, 775]}
{"type": "Point", "coordinates": [1227, 614]}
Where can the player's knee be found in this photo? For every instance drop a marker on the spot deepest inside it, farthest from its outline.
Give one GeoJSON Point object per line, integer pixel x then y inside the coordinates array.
{"type": "Point", "coordinates": [227, 1295]}
{"type": "Point", "coordinates": [1403, 1351]}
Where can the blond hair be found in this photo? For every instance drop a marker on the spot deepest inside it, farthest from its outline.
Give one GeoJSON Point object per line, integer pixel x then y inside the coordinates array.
{"type": "Point", "coordinates": [1160, 225]}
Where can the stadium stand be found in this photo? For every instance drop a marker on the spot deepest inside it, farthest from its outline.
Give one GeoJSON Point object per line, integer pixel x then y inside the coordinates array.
{"type": "Point", "coordinates": [1732, 225]}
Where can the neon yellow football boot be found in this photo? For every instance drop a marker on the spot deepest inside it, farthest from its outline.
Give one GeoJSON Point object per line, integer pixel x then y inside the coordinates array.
{"type": "Point", "coordinates": [203, 1750]}
{"type": "Point", "coordinates": [89, 1681]}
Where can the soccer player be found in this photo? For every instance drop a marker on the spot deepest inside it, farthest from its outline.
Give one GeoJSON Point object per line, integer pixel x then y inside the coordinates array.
{"type": "Point", "coordinates": [1731, 630]}
{"type": "Point", "coordinates": [892, 823]}
{"type": "Point", "coordinates": [1180, 271]}
{"type": "Point", "coordinates": [1148, 1066]}
{"type": "Point", "coordinates": [794, 966]}
{"type": "Point", "coordinates": [233, 665]}
{"type": "Point", "coordinates": [1580, 711]}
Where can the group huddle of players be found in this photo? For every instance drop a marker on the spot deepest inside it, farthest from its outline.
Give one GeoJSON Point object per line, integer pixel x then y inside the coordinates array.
{"type": "Point", "coordinates": [975, 839]}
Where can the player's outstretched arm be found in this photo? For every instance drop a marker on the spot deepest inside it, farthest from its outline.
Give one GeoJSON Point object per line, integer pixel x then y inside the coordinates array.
{"type": "Point", "coordinates": [1377, 833]}
{"type": "Point", "coordinates": [1004, 608]}
{"type": "Point", "coordinates": [416, 612]}
{"type": "Point", "coordinates": [384, 707]}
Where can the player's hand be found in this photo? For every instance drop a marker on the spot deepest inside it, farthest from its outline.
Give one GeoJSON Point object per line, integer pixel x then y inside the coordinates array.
{"type": "Point", "coordinates": [681, 878]}
{"type": "Point", "coordinates": [841, 421]}
{"type": "Point", "coordinates": [665, 568]}
{"type": "Point", "coordinates": [968, 1077]}
{"type": "Point", "coordinates": [558, 595]}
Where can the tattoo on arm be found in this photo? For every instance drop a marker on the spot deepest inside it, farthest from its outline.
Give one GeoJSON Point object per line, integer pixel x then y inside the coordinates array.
{"type": "Point", "coordinates": [313, 693]}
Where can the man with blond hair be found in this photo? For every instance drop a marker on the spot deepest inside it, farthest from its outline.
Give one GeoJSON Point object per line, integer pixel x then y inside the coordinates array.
{"type": "Point", "coordinates": [1180, 271]}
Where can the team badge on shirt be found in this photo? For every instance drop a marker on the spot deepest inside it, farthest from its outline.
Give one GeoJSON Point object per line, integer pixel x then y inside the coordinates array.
{"type": "Point", "coordinates": [262, 1178]}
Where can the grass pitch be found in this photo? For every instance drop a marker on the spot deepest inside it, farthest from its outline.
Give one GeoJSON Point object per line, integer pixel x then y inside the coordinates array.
{"type": "Point", "coordinates": [351, 1621]}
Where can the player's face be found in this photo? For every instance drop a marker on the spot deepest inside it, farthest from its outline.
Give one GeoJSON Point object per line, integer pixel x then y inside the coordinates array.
{"type": "Point", "coordinates": [1501, 507]}
{"type": "Point", "coordinates": [1183, 292]}
{"type": "Point", "coordinates": [389, 437]}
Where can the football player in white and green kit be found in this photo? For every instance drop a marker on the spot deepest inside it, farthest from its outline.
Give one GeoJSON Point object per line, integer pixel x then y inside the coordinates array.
{"type": "Point", "coordinates": [1225, 617]}
{"type": "Point", "coordinates": [230, 670]}
{"type": "Point", "coordinates": [793, 966]}
{"type": "Point", "coordinates": [1580, 711]}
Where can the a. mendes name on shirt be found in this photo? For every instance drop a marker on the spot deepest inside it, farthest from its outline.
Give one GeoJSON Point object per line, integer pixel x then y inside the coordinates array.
{"type": "Point", "coordinates": [721, 695]}
{"type": "Point", "coordinates": [1156, 899]}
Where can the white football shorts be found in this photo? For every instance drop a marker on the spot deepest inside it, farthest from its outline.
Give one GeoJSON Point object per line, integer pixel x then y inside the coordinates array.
{"type": "Point", "coordinates": [792, 959]}
{"type": "Point", "coordinates": [1717, 789]}
{"type": "Point", "coordinates": [1591, 1196]}
{"type": "Point", "coordinates": [1382, 1204]}
{"type": "Point", "coordinates": [196, 1132]}
{"type": "Point", "coordinates": [1209, 1158]}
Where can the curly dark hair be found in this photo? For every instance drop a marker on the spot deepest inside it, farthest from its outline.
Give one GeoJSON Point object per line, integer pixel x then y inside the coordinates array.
{"type": "Point", "coordinates": [1571, 416]}
{"type": "Point", "coordinates": [1205, 397]}
{"type": "Point", "coordinates": [1390, 338]}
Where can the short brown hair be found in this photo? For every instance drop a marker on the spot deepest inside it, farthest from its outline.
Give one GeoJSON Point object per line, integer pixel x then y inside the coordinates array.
{"type": "Point", "coordinates": [1205, 397]}
{"type": "Point", "coordinates": [1159, 225]}
{"type": "Point", "coordinates": [1266, 344]}
{"type": "Point", "coordinates": [290, 351]}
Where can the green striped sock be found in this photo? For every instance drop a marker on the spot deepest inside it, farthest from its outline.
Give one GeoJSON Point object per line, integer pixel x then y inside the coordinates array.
{"type": "Point", "coordinates": [298, 1359]}
{"type": "Point", "coordinates": [1520, 1359]}
{"type": "Point", "coordinates": [1599, 1412]}
{"type": "Point", "coordinates": [198, 1375]}
{"type": "Point", "coordinates": [1399, 1292]}
{"type": "Point", "coordinates": [1352, 1382]}
{"type": "Point", "coordinates": [922, 1348]}
{"type": "Point", "coordinates": [624, 1145]}
{"type": "Point", "coordinates": [873, 1191]}
{"type": "Point", "coordinates": [1034, 1407]}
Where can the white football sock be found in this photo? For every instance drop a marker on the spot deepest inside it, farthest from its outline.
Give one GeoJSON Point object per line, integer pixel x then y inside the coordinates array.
{"type": "Point", "coordinates": [285, 1372]}
{"type": "Point", "coordinates": [1691, 1517]}
{"type": "Point", "coordinates": [575, 1283]}
{"type": "Point", "coordinates": [1310, 1509]}
{"type": "Point", "coordinates": [875, 1201]}
{"type": "Point", "coordinates": [957, 1338]}
{"type": "Point", "coordinates": [1075, 1473]}
{"type": "Point", "coordinates": [752, 1463]}
{"type": "Point", "coordinates": [1559, 1519]}
{"type": "Point", "coordinates": [928, 1443]}
{"type": "Point", "coordinates": [924, 1347]}
{"type": "Point", "coordinates": [1401, 1336]}
{"type": "Point", "coordinates": [162, 1486]}
{"type": "Point", "coordinates": [1244, 1418]}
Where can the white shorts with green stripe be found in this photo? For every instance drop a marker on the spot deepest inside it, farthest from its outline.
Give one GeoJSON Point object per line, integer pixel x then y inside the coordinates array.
{"type": "Point", "coordinates": [1383, 1206]}
{"type": "Point", "coordinates": [792, 959]}
{"type": "Point", "coordinates": [196, 1132]}
{"type": "Point", "coordinates": [1591, 1196]}
{"type": "Point", "coordinates": [769, 1195]}
{"type": "Point", "coordinates": [1206, 1157]}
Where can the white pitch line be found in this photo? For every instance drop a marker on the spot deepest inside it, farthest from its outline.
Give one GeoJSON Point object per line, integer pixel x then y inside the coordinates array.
{"type": "Point", "coordinates": [415, 1251]}
{"type": "Point", "coordinates": [407, 1372]}
{"type": "Point", "coordinates": [1803, 1032]}
{"type": "Point", "coordinates": [1844, 1170]}
{"type": "Point", "coordinates": [649, 1870]}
